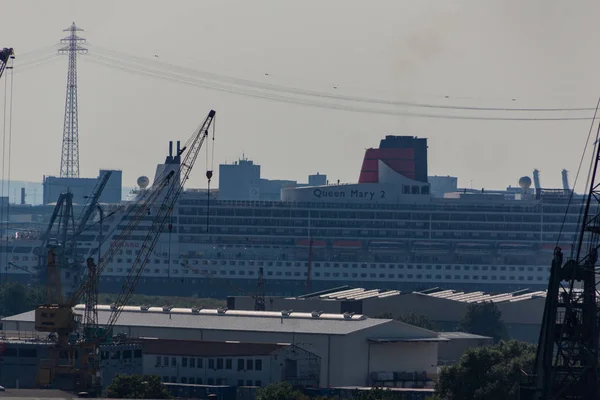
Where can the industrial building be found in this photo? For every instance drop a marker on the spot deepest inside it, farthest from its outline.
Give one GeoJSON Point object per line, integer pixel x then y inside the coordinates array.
{"type": "Point", "coordinates": [241, 180]}
{"type": "Point", "coordinates": [521, 311]}
{"type": "Point", "coordinates": [82, 187]}
{"type": "Point", "coordinates": [351, 346]}
{"type": "Point", "coordinates": [230, 363]}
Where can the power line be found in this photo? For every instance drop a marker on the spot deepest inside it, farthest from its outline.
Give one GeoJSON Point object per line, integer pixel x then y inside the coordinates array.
{"type": "Point", "coordinates": [291, 90]}
{"type": "Point", "coordinates": [115, 64]}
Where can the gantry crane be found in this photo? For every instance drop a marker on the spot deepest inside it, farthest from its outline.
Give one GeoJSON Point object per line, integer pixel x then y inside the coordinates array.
{"type": "Point", "coordinates": [59, 318]}
{"type": "Point", "coordinates": [566, 364]}
{"type": "Point", "coordinates": [5, 55]}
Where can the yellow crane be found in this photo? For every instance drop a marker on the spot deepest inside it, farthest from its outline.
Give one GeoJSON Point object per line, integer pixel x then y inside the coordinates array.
{"type": "Point", "coordinates": [74, 359]}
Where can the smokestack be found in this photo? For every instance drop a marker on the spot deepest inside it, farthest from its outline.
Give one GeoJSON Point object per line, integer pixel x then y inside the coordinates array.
{"type": "Point", "coordinates": [565, 180]}
{"type": "Point", "coordinates": [536, 180]}
{"type": "Point", "coordinates": [178, 147]}
{"type": "Point", "coordinates": [170, 148]}
{"type": "Point", "coordinates": [23, 195]}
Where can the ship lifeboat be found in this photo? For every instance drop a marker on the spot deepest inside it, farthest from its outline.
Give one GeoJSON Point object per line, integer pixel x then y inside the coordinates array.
{"type": "Point", "coordinates": [347, 244]}
{"type": "Point", "coordinates": [425, 247]}
{"type": "Point", "coordinates": [472, 248]}
{"type": "Point", "coordinates": [515, 248]}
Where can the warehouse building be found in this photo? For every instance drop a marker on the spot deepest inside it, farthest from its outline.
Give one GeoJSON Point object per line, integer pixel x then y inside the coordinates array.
{"type": "Point", "coordinates": [351, 346]}
{"type": "Point", "coordinates": [230, 363]}
{"type": "Point", "coordinates": [521, 311]}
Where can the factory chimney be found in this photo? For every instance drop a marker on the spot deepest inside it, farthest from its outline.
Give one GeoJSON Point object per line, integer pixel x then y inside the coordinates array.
{"type": "Point", "coordinates": [23, 195]}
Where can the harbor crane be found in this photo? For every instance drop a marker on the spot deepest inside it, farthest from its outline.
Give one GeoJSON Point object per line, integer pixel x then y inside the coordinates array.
{"type": "Point", "coordinates": [81, 366]}
{"type": "Point", "coordinates": [566, 363]}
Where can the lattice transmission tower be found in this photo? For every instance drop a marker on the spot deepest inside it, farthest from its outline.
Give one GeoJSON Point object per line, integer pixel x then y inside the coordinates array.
{"type": "Point", "coordinates": [69, 161]}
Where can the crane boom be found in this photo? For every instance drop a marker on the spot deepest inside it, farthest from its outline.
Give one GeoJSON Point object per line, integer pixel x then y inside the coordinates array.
{"type": "Point", "coordinates": [193, 147]}
{"type": "Point", "coordinates": [89, 207]}
{"type": "Point", "coordinates": [135, 214]}
{"type": "Point", "coordinates": [5, 55]}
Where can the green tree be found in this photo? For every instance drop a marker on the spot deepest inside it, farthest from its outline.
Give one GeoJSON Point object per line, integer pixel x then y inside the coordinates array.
{"type": "Point", "coordinates": [417, 320]}
{"type": "Point", "coordinates": [486, 373]}
{"type": "Point", "coordinates": [137, 387]}
{"type": "Point", "coordinates": [373, 394]}
{"type": "Point", "coordinates": [16, 298]}
{"type": "Point", "coordinates": [412, 318]}
{"type": "Point", "coordinates": [484, 319]}
{"type": "Point", "coordinates": [280, 391]}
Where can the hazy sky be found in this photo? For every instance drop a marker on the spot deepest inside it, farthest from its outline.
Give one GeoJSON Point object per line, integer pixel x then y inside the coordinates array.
{"type": "Point", "coordinates": [541, 53]}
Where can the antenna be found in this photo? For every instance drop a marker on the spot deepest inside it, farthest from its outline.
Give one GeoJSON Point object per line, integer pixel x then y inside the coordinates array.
{"type": "Point", "coordinates": [69, 161]}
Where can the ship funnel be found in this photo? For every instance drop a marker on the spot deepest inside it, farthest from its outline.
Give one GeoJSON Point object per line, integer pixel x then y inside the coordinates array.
{"type": "Point", "coordinates": [536, 179]}
{"type": "Point", "coordinates": [565, 180]}
{"type": "Point", "coordinates": [170, 148]}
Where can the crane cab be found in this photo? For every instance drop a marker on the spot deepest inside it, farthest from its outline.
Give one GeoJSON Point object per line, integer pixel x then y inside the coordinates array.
{"type": "Point", "coordinates": [55, 318]}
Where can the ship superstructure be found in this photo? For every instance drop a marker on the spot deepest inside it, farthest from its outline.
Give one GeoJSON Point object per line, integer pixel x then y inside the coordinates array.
{"type": "Point", "coordinates": [388, 230]}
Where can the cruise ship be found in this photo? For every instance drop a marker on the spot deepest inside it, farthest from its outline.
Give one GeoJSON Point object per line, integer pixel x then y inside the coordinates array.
{"type": "Point", "coordinates": [397, 228]}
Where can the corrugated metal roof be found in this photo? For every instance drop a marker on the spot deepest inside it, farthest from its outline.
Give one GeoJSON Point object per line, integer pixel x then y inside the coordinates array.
{"type": "Point", "coordinates": [198, 348]}
{"type": "Point", "coordinates": [479, 297]}
{"type": "Point", "coordinates": [407, 340]}
{"type": "Point", "coordinates": [462, 335]}
{"type": "Point", "coordinates": [232, 320]}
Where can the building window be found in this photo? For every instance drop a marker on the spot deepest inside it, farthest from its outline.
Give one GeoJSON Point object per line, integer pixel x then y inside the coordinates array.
{"type": "Point", "coordinates": [240, 366]}
{"type": "Point", "coordinates": [257, 383]}
{"type": "Point", "coordinates": [192, 381]}
{"type": "Point", "coordinates": [249, 365]}
{"type": "Point", "coordinates": [192, 362]}
{"type": "Point", "coordinates": [219, 363]}
{"type": "Point", "coordinates": [173, 379]}
{"type": "Point", "coordinates": [211, 381]}
{"type": "Point", "coordinates": [183, 379]}
{"type": "Point", "coordinates": [211, 363]}
{"type": "Point", "coordinates": [184, 362]}
{"type": "Point", "coordinates": [199, 363]}
{"type": "Point", "coordinates": [240, 382]}
{"type": "Point", "coordinates": [258, 365]}
{"type": "Point", "coordinates": [166, 361]}
{"type": "Point", "coordinates": [158, 359]}
{"type": "Point", "coordinates": [248, 382]}
{"type": "Point", "coordinates": [228, 363]}
{"type": "Point", "coordinates": [165, 379]}
{"type": "Point", "coordinates": [173, 361]}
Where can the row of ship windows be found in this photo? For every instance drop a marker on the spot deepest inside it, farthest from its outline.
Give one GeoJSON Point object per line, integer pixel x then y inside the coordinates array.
{"type": "Point", "coordinates": [349, 265]}
{"type": "Point", "coordinates": [355, 275]}
{"type": "Point", "coordinates": [473, 213]}
{"type": "Point", "coordinates": [199, 226]}
{"type": "Point", "coordinates": [302, 207]}
{"type": "Point", "coordinates": [358, 235]}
